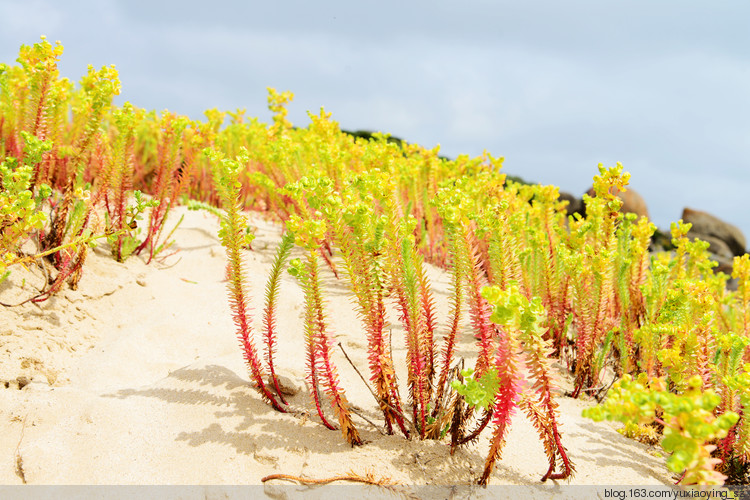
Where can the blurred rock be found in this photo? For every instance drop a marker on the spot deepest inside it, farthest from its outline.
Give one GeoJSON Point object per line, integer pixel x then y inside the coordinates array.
{"type": "Point", "coordinates": [632, 202]}
{"type": "Point", "coordinates": [705, 226]}
{"type": "Point", "coordinates": [716, 246]}
{"type": "Point", "coordinates": [725, 264]}
{"type": "Point", "coordinates": [575, 205]}
{"type": "Point", "coordinates": [661, 241]}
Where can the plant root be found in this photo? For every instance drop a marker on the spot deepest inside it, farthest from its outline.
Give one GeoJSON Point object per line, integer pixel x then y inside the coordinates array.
{"type": "Point", "coordinates": [368, 478]}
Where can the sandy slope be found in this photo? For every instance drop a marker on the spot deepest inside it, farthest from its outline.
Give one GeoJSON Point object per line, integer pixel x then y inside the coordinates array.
{"type": "Point", "coordinates": [137, 378]}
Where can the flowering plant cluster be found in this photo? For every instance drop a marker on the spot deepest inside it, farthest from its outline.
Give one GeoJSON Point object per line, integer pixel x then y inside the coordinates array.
{"type": "Point", "coordinates": [531, 284]}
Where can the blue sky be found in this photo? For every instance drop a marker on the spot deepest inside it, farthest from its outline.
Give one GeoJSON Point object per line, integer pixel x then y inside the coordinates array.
{"type": "Point", "coordinates": [554, 87]}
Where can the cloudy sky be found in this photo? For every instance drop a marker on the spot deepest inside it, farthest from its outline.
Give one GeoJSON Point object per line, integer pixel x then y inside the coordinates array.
{"type": "Point", "coordinates": [555, 87]}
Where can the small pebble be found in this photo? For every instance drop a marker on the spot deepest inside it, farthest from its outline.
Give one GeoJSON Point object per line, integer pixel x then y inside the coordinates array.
{"type": "Point", "coordinates": [286, 385]}
{"type": "Point", "coordinates": [23, 381]}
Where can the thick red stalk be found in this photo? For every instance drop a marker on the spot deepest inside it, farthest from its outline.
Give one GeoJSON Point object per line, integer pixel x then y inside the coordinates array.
{"type": "Point", "coordinates": [364, 270]}
{"type": "Point", "coordinates": [480, 311]}
{"type": "Point", "coordinates": [312, 378]}
{"type": "Point", "coordinates": [269, 312]}
{"type": "Point", "coordinates": [555, 299]}
{"type": "Point", "coordinates": [428, 311]}
{"type": "Point", "coordinates": [239, 304]}
{"type": "Point", "coordinates": [545, 417]}
{"type": "Point", "coordinates": [450, 344]}
{"type": "Point", "coordinates": [321, 346]}
{"type": "Point", "coordinates": [505, 400]}
{"type": "Point", "coordinates": [459, 272]}
{"type": "Point", "coordinates": [39, 128]}
{"type": "Point", "coordinates": [232, 235]}
{"type": "Point", "coordinates": [414, 327]}
{"type": "Point", "coordinates": [404, 279]}
{"type": "Point", "coordinates": [70, 262]}
{"type": "Point", "coordinates": [382, 372]}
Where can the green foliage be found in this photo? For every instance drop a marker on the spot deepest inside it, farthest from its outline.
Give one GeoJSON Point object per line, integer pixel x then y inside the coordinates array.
{"type": "Point", "coordinates": [690, 425]}
{"type": "Point", "coordinates": [20, 212]}
{"type": "Point", "coordinates": [477, 392]}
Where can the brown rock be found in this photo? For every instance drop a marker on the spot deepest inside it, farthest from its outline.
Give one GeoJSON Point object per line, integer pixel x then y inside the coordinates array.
{"type": "Point", "coordinates": [725, 265]}
{"type": "Point", "coordinates": [632, 202]}
{"type": "Point", "coordinates": [705, 224]}
{"type": "Point", "coordinates": [716, 245]}
{"type": "Point", "coordinates": [286, 385]}
{"type": "Point", "coordinates": [575, 205]}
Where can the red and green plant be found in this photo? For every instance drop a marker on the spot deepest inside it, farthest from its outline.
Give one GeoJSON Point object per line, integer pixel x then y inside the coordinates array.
{"type": "Point", "coordinates": [528, 284]}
